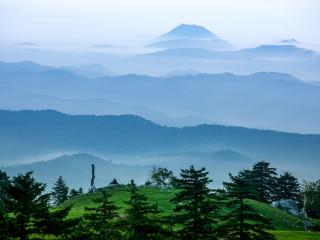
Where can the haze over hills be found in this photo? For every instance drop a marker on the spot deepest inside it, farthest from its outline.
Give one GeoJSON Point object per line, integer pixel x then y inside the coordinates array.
{"type": "Point", "coordinates": [202, 79]}
{"type": "Point", "coordinates": [164, 107]}
{"type": "Point", "coordinates": [90, 71]}
{"type": "Point", "coordinates": [27, 135]}
{"type": "Point", "coordinates": [75, 170]}
{"type": "Point", "coordinates": [276, 51]}
{"type": "Point", "coordinates": [288, 58]}
{"type": "Point", "coordinates": [184, 47]}
{"type": "Point", "coordinates": [266, 100]}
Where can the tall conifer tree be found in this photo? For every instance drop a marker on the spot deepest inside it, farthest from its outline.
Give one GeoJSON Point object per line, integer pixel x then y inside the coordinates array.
{"type": "Point", "coordinates": [264, 179]}
{"type": "Point", "coordinates": [4, 220]}
{"type": "Point", "coordinates": [196, 208]}
{"type": "Point", "coordinates": [242, 222]}
{"type": "Point", "coordinates": [288, 187]}
{"type": "Point", "coordinates": [27, 203]}
{"type": "Point", "coordinates": [57, 223]}
{"type": "Point", "coordinates": [142, 221]}
{"type": "Point", "coordinates": [102, 219]}
{"type": "Point", "coordinates": [60, 191]}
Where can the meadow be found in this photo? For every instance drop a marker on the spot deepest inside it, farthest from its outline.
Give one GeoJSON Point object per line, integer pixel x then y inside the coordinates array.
{"type": "Point", "coordinates": [285, 226]}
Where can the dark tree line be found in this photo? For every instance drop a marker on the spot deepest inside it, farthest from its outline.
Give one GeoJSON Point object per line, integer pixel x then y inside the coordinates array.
{"type": "Point", "coordinates": [311, 192]}
{"type": "Point", "coordinates": [243, 222]}
{"type": "Point", "coordinates": [25, 210]}
{"type": "Point", "coordinates": [266, 186]}
{"type": "Point", "coordinates": [200, 213]}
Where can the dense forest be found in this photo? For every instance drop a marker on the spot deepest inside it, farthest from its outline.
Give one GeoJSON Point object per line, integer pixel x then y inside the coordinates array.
{"type": "Point", "coordinates": [28, 211]}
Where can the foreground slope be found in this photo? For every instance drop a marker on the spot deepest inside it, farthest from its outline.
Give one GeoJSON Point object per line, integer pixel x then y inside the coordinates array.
{"type": "Point", "coordinates": [285, 225]}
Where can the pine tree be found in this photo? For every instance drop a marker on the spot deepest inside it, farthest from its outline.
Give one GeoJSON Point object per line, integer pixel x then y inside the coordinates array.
{"type": "Point", "coordinates": [4, 183]}
{"type": "Point", "coordinates": [114, 182]}
{"type": "Point", "coordinates": [311, 192]}
{"type": "Point", "coordinates": [142, 222]}
{"type": "Point", "coordinates": [288, 187]}
{"type": "Point", "coordinates": [4, 233]}
{"type": "Point", "coordinates": [196, 207]}
{"type": "Point", "coordinates": [5, 221]}
{"type": "Point", "coordinates": [27, 203]}
{"type": "Point", "coordinates": [60, 191]}
{"type": "Point", "coordinates": [73, 192]}
{"type": "Point", "coordinates": [264, 178]}
{"type": "Point", "coordinates": [160, 177]}
{"type": "Point", "coordinates": [242, 222]}
{"type": "Point", "coordinates": [56, 223]}
{"type": "Point", "coordinates": [101, 219]}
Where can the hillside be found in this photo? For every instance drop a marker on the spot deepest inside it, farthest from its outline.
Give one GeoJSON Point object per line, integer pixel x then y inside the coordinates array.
{"type": "Point", "coordinates": [27, 135]}
{"type": "Point", "coordinates": [284, 224]}
{"type": "Point", "coordinates": [75, 168]}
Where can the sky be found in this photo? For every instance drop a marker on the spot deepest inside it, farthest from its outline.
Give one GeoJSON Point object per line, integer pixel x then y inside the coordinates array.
{"type": "Point", "coordinates": [80, 23]}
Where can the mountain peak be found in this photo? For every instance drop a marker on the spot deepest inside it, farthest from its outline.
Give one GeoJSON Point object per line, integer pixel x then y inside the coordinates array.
{"type": "Point", "coordinates": [190, 31]}
{"type": "Point", "coordinates": [190, 36]}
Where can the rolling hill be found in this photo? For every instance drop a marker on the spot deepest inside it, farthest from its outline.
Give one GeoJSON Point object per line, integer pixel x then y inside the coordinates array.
{"type": "Point", "coordinates": [27, 135]}
{"type": "Point", "coordinates": [285, 225]}
{"type": "Point", "coordinates": [76, 171]}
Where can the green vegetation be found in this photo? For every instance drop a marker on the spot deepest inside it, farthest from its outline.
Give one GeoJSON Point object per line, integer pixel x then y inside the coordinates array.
{"type": "Point", "coordinates": [242, 221]}
{"type": "Point", "coordinates": [195, 209]}
{"type": "Point", "coordinates": [60, 191]}
{"type": "Point", "coordinates": [183, 208]}
{"type": "Point", "coordinates": [120, 195]}
{"type": "Point", "coordinates": [311, 190]}
{"type": "Point", "coordinates": [285, 226]}
{"type": "Point", "coordinates": [295, 235]}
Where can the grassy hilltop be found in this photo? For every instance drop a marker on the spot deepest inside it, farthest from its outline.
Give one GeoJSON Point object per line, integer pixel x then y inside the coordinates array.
{"type": "Point", "coordinates": [286, 226]}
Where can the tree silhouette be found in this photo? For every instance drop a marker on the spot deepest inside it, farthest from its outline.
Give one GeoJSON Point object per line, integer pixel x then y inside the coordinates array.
{"type": "Point", "coordinates": [142, 222]}
{"type": "Point", "coordinates": [28, 203]}
{"type": "Point", "coordinates": [60, 191]}
{"type": "Point", "coordinates": [242, 222]}
{"type": "Point", "coordinates": [57, 223]}
{"type": "Point", "coordinates": [288, 187]}
{"type": "Point", "coordinates": [196, 207]}
{"type": "Point", "coordinates": [264, 179]}
{"type": "Point", "coordinates": [101, 219]}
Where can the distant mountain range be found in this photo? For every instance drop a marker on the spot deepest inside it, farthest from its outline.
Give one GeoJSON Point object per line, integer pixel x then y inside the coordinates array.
{"type": "Point", "coordinates": [27, 135]}
{"type": "Point", "coordinates": [261, 52]}
{"type": "Point", "coordinates": [266, 100]}
{"type": "Point", "coordinates": [182, 73]}
{"type": "Point", "coordinates": [195, 47]}
{"type": "Point", "coordinates": [176, 107]}
{"type": "Point", "coordinates": [184, 47]}
{"type": "Point", "coordinates": [285, 58]}
{"type": "Point", "coordinates": [90, 71]}
{"type": "Point", "coordinates": [75, 168]}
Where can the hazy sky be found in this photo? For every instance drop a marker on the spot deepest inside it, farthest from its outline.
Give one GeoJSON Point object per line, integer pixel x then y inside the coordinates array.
{"type": "Point", "coordinates": [78, 23]}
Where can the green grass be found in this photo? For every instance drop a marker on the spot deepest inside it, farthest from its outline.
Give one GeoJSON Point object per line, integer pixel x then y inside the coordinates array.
{"type": "Point", "coordinates": [295, 235]}
{"type": "Point", "coordinates": [285, 226]}
{"type": "Point", "coordinates": [280, 219]}
{"type": "Point", "coordinates": [120, 195]}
